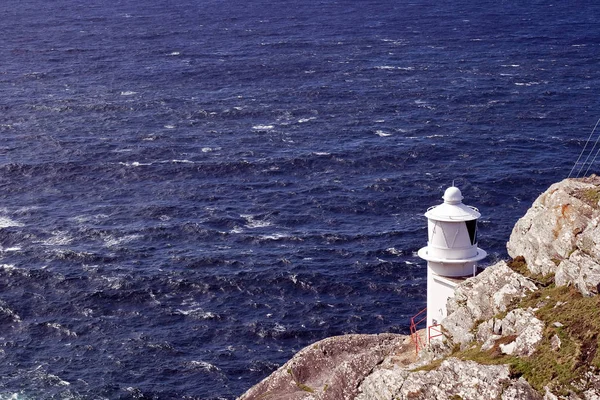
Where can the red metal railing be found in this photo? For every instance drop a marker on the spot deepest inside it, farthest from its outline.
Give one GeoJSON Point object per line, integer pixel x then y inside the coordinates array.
{"type": "Point", "coordinates": [437, 330]}
{"type": "Point", "coordinates": [414, 328]}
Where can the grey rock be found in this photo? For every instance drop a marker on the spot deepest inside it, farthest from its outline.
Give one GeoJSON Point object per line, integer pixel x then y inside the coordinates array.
{"type": "Point", "coordinates": [466, 379]}
{"type": "Point", "coordinates": [555, 342]}
{"type": "Point", "coordinates": [382, 384]}
{"type": "Point", "coordinates": [482, 297]}
{"type": "Point", "coordinates": [520, 390]}
{"type": "Point", "coordinates": [592, 382]}
{"type": "Point", "coordinates": [561, 230]}
{"type": "Point", "coordinates": [549, 395]}
{"type": "Point", "coordinates": [581, 270]}
{"type": "Point", "coordinates": [486, 331]}
{"type": "Point", "coordinates": [523, 324]}
{"type": "Point", "coordinates": [527, 327]}
{"type": "Point", "coordinates": [454, 377]}
{"type": "Point", "coordinates": [332, 369]}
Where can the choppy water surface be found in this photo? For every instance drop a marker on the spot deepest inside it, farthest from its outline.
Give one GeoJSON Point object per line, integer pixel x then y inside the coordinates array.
{"type": "Point", "coordinates": [192, 192]}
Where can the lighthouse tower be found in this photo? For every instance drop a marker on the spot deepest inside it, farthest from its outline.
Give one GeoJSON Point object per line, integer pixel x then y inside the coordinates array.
{"type": "Point", "coordinates": [451, 252]}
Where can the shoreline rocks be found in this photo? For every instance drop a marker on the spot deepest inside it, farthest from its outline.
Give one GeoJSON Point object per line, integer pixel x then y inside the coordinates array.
{"type": "Point", "coordinates": [332, 368]}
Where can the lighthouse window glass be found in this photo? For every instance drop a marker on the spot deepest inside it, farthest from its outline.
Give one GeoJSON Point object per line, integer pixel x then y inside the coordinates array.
{"type": "Point", "coordinates": [472, 229]}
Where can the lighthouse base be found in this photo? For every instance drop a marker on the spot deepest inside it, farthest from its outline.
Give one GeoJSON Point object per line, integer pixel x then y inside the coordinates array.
{"type": "Point", "coordinates": [439, 290]}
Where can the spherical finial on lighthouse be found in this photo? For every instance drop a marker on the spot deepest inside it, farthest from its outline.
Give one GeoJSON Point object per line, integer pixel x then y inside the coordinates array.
{"type": "Point", "coordinates": [452, 195]}
{"type": "Point", "coordinates": [451, 251]}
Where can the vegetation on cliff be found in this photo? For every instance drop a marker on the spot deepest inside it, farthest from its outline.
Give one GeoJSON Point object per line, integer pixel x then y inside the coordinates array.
{"type": "Point", "coordinates": [567, 358]}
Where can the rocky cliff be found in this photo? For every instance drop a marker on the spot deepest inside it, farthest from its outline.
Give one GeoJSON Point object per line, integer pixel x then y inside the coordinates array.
{"type": "Point", "coordinates": [528, 328]}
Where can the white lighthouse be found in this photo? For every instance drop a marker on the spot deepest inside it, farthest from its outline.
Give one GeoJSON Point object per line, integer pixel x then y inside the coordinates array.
{"type": "Point", "coordinates": [451, 253]}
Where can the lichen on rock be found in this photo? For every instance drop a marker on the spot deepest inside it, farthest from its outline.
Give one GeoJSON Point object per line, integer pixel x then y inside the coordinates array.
{"type": "Point", "coordinates": [561, 231]}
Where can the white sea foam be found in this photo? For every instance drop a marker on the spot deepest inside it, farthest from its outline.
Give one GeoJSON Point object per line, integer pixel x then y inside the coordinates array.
{"type": "Point", "coordinates": [13, 396]}
{"type": "Point", "coordinates": [134, 164]}
{"type": "Point", "coordinates": [204, 365]}
{"type": "Point", "coordinates": [6, 222]}
{"type": "Point", "coordinates": [263, 127]}
{"type": "Point", "coordinates": [385, 67]}
{"type": "Point", "coordinates": [252, 222]}
{"type": "Point", "coordinates": [9, 249]}
{"type": "Point", "coordinates": [397, 42]}
{"type": "Point", "coordinates": [61, 329]}
{"type": "Point", "coordinates": [110, 241]}
{"type": "Point", "coordinates": [394, 251]}
{"type": "Point", "coordinates": [169, 126]}
{"type": "Point", "coordinates": [198, 313]}
{"type": "Point", "coordinates": [528, 83]}
{"type": "Point", "coordinates": [81, 219]}
{"type": "Point", "coordinates": [6, 311]}
{"type": "Point", "coordinates": [275, 236]}
{"type": "Point", "coordinates": [114, 282]}
{"type": "Point", "coordinates": [58, 238]}
{"type": "Point", "coordinates": [304, 120]}
{"type": "Point", "coordinates": [58, 381]}
{"type": "Point", "coordinates": [382, 133]}
{"type": "Point", "coordinates": [128, 93]}
{"type": "Point", "coordinates": [182, 161]}
{"type": "Point", "coordinates": [174, 53]}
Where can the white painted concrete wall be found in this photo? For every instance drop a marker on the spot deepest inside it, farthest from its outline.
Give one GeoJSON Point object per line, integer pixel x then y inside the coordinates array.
{"type": "Point", "coordinates": [438, 292]}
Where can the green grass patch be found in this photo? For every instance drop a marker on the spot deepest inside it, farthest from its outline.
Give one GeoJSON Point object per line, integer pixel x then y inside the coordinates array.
{"type": "Point", "coordinates": [429, 367]}
{"type": "Point", "coordinates": [519, 265]}
{"type": "Point", "coordinates": [299, 385]}
{"type": "Point", "coordinates": [305, 387]}
{"type": "Point", "coordinates": [590, 196]}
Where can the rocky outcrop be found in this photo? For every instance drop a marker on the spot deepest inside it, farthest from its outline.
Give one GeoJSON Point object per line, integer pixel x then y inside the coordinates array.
{"type": "Point", "coordinates": [332, 368]}
{"type": "Point", "coordinates": [560, 234]}
{"type": "Point", "coordinates": [581, 270]}
{"type": "Point", "coordinates": [482, 297]}
{"type": "Point", "coordinates": [521, 327]}
{"type": "Point", "coordinates": [454, 378]}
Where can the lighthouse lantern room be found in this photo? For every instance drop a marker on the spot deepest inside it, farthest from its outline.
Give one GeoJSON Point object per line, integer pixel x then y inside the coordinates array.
{"type": "Point", "coordinates": [451, 251]}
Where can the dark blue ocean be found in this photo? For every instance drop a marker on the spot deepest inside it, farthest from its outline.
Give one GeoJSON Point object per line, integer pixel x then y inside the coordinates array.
{"type": "Point", "coordinates": [192, 191]}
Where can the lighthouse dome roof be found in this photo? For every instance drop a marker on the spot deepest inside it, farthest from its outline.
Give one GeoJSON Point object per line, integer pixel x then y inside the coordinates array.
{"type": "Point", "coordinates": [452, 195]}
{"type": "Point", "coordinates": [452, 209]}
